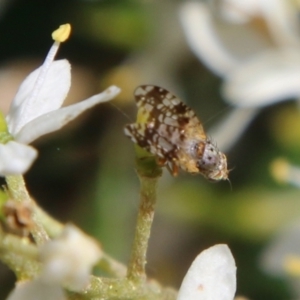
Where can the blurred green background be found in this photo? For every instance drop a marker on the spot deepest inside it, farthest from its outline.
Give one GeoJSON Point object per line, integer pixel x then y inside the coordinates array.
{"type": "Point", "coordinates": [85, 172]}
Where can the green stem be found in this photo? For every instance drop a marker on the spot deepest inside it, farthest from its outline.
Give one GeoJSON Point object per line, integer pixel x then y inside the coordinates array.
{"type": "Point", "coordinates": [106, 288]}
{"type": "Point", "coordinates": [17, 188]}
{"type": "Point", "coordinates": [148, 172]}
{"type": "Point", "coordinates": [136, 267]}
{"type": "Point", "coordinates": [20, 255]}
{"type": "Point", "coordinates": [18, 192]}
{"type": "Point", "coordinates": [112, 267]}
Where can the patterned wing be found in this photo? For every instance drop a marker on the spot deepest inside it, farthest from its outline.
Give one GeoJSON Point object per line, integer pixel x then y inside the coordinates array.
{"type": "Point", "coordinates": [149, 140]}
{"type": "Point", "coordinates": [163, 122]}
{"type": "Point", "coordinates": [169, 129]}
{"type": "Point", "coordinates": [164, 107]}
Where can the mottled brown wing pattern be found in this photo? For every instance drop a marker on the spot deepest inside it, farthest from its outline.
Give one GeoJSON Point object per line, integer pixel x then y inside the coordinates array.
{"type": "Point", "coordinates": [165, 120]}
{"type": "Point", "coordinates": [164, 107]}
{"type": "Point", "coordinates": [169, 129]}
{"type": "Point", "coordinates": [147, 139]}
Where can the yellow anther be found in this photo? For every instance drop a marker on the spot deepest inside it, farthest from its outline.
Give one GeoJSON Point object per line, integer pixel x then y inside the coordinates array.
{"type": "Point", "coordinates": [280, 170]}
{"type": "Point", "coordinates": [292, 265]}
{"type": "Point", "coordinates": [62, 33]}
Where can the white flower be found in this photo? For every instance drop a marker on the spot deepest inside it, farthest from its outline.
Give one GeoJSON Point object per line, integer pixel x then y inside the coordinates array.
{"type": "Point", "coordinates": [282, 255]}
{"type": "Point", "coordinates": [284, 172]}
{"type": "Point", "coordinates": [212, 276]}
{"type": "Point", "coordinates": [256, 71]}
{"type": "Point", "coordinates": [36, 290]}
{"type": "Point", "coordinates": [240, 12]}
{"type": "Point", "coordinates": [269, 77]}
{"type": "Point", "coordinates": [202, 37]}
{"type": "Point", "coordinates": [36, 110]}
{"type": "Point", "coordinates": [68, 260]}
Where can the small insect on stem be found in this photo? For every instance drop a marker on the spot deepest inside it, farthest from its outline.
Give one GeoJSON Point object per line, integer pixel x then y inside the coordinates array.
{"type": "Point", "coordinates": [170, 130]}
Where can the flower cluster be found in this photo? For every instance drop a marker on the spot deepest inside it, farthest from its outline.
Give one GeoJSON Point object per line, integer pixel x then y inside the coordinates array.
{"type": "Point", "coordinates": [256, 71]}
{"type": "Point", "coordinates": [36, 109]}
{"type": "Point", "coordinates": [66, 262]}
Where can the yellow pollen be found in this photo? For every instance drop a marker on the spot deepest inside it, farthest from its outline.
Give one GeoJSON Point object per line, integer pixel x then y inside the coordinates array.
{"type": "Point", "coordinates": [292, 265]}
{"type": "Point", "coordinates": [62, 33]}
{"type": "Point", "coordinates": [280, 170]}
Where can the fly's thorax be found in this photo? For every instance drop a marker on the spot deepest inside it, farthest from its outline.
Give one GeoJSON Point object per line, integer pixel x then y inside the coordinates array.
{"type": "Point", "coordinates": [188, 153]}
{"type": "Point", "coordinates": [212, 163]}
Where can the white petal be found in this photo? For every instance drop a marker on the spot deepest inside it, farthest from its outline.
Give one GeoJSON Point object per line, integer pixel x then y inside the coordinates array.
{"type": "Point", "coordinates": [282, 19]}
{"type": "Point", "coordinates": [16, 158]}
{"type": "Point", "coordinates": [30, 103]}
{"type": "Point", "coordinates": [212, 276]}
{"type": "Point", "coordinates": [36, 290]}
{"type": "Point", "coordinates": [272, 77]}
{"type": "Point", "coordinates": [57, 119]}
{"type": "Point", "coordinates": [68, 259]}
{"type": "Point", "coordinates": [231, 128]}
{"type": "Point", "coordinates": [201, 36]}
{"type": "Point", "coordinates": [240, 11]}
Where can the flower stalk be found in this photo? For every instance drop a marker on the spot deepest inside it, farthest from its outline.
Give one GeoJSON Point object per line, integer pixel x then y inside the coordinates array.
{"type": "Point", "coordinates": [20, 255]}
{"type": "Point", "coordinates": [18, 192]}
{"type": "Point", "coordinates": [17, 188]}
{"type": "Point", "coordinates": [136, 268]}
{"type": "Point", "coordinates": [148, 172]}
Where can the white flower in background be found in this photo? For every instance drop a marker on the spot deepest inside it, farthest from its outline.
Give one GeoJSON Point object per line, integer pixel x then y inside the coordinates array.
{"type": "Point", "coordinates": [226, 51]}
{"type": "Point", "coordinates": [36, 109]}
{"type": "Point", "coordinates": [240, 12]}
{"type": "Point", "coordinates": [67, 261]}
{"type": "Point", "coordinates": [257, 70]}
{"type": "Point", "coordinates": [285, 173]}
{"type": "Point", "coordinates": [281, 257]}
{"type": "Point", "coordinates": [212, 276]}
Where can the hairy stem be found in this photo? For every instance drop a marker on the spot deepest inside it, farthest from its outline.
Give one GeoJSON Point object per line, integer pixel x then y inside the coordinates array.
{"type": "Point", "coordinates": [148, 172]}
{"type": "Point", "coordinates": [136, 267]}
{"type": "Point", "coordinates": [19, 255]}
{"type": "Point", "coordinates": [18, 192]}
